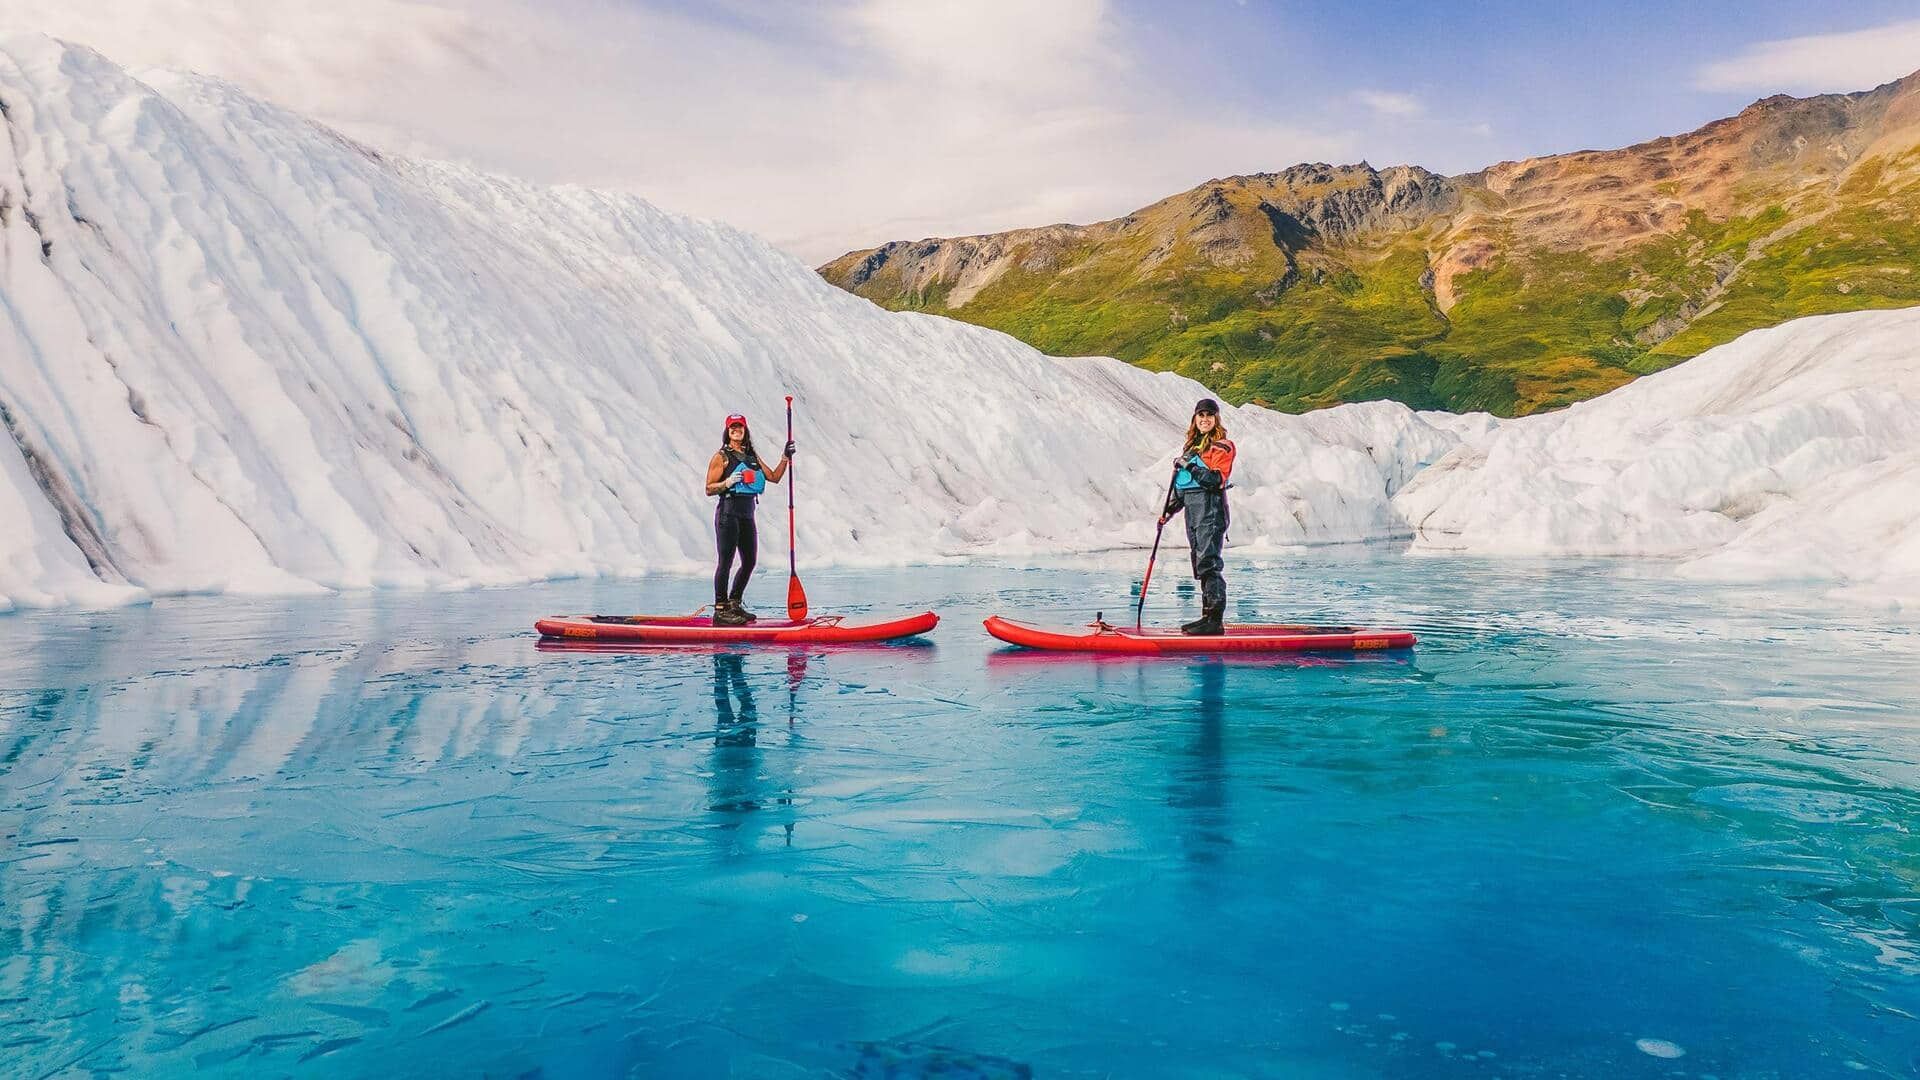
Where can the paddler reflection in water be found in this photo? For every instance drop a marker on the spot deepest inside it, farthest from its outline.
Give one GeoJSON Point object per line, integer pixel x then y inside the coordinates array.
{"type": "Point", "coordinates": [1200, 489]}
{"type": "Point", "coordinates": [1199, 788]}
{"type": "Point", "coordinates": [739, 784]}
{"type": "Point", "coordinates": [736, 475]}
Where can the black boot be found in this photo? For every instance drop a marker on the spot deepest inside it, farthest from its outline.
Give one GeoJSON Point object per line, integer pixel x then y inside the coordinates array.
{"type": "Point", "coordinates": [745, 615]}
{"type": "Point", "coordinates": [1208, 624]}
{"type": "Point", "coordinates": [728, 613]}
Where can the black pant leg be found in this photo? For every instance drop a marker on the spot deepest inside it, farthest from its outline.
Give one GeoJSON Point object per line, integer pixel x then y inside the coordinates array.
{"type": "Point", "coordinates": [1216, 595]}
{"type": "Point", "coordinates": [1206, 515]}
{"type": "Point", "coordinates": [749, 546]}
{"type": "Point", "coordinates": [726, 540]}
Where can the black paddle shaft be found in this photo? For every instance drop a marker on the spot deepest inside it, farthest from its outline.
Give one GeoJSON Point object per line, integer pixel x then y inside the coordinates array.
{"type": "Point", "coordinates": [1140, 610]}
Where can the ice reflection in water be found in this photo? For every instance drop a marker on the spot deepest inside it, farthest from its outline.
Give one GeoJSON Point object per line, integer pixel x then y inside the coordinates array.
{"type": "Point", "coordinates": [1594, 823]}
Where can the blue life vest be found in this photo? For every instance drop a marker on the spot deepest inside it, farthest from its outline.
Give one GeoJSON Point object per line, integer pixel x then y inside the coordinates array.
{"type": "Point", "coordinates": [759, 479]}
{"type": "Point", "coordinates": [1183, 480]}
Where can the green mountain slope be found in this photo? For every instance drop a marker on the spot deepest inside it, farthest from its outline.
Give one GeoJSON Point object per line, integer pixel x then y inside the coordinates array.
{"type": "Point", "coordinates": [1524, 287]}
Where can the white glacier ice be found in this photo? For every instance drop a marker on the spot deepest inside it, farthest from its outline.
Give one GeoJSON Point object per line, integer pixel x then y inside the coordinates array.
{"type": "Point", "coordinates": [255, 356]}
{"type": "Point", "coordinates": [241, 353]}
{"type": "Point", "coordinates": [1792, 452]}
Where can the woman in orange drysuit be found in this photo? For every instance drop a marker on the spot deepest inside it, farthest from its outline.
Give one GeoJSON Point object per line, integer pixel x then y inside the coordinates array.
{"type": "Point", "coordinates": [1200, 489]}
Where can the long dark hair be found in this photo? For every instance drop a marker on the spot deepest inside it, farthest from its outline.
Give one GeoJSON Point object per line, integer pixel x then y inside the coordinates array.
{"type": "Point", "coordinates": [746, 444]}
{"type": "Point", "coordinates": [1197, 442]}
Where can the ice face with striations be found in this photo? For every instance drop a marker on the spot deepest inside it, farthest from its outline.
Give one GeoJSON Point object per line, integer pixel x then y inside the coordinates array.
{"type": "Point", "coordinates": [1792, 452]}
{"type": "Point", "coordinates": [240, 353]}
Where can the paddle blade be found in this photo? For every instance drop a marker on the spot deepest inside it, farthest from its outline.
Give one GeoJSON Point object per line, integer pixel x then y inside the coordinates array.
{"type": "Point", "coordinates": [796, 599]}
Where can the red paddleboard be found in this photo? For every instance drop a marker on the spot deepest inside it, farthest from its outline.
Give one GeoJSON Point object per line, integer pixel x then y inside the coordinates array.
{"type": "Point", "coordinates": [1101, 637]}
{"type": "Point", "coordinates": [700, 630]}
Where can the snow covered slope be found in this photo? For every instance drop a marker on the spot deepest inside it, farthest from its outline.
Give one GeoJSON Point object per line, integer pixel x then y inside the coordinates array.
{"type": "Point", "coordinates": [1792, 452]}
{"type": "Point", "coordinates": [239, 352]}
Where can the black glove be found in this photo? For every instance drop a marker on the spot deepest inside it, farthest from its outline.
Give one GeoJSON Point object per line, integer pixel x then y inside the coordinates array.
{"type": "Point", "coordinates": [789, 447]}
{"type": "Point", "coordinates": [1175, 504]}
{"type": "Point", "coordinates": [1205, 477]}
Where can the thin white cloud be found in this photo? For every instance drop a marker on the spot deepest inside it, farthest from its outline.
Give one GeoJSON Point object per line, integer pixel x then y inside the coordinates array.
{"type": "Point", "coordinates": [1819, 63]}
{"type": "Point", "coordinates": [824, 125]}
{"type": "Point", "coordinates": [1390, 102]}
{"type": "Point", "coordinates": [1000, 47]}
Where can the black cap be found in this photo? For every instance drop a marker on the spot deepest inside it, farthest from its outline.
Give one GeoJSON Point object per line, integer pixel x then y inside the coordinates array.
{"type": "Point", "coordinates": [1208, 406]}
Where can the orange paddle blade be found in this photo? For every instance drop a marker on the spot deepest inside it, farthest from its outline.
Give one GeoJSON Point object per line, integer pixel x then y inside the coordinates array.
{"type": "Point", "coordinates": [796, 599]}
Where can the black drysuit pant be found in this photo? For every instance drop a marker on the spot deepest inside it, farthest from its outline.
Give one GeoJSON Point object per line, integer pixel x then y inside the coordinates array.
{"type": "Point", "coordinates": [734, 533]}
{"type": "Point", "coordinates": [1206, 513]}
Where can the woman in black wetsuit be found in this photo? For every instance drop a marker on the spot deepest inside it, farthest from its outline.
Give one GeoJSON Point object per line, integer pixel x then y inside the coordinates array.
{"type": "Point", "coordinates": [736, 475]}
{"type": "Point", "coordinates": [1200, 488]}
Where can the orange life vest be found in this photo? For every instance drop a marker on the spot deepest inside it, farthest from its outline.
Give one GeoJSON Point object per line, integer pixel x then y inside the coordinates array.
{"type": "Point", "coordinates": [1218, 456]}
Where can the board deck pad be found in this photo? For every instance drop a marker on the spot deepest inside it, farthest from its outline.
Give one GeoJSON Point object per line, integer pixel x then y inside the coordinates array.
{"type": "Point", "coordinates": [701, 630]}
{"type": "Point", "coordinates": [1247, 638]}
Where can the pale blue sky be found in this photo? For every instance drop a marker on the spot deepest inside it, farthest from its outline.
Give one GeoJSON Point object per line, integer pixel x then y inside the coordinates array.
{"type": "Point", "coordinates": [831, 124]}
{"type": "Point", "coordinates": [1543, 77]}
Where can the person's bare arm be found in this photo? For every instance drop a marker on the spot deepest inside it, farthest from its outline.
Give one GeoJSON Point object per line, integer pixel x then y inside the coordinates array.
{"type": "Point", "coordinates": [717, 481]}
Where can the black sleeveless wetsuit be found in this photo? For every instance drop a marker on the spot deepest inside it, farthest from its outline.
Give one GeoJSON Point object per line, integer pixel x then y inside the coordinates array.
{"type": "Point", "coordinates": [734, 533]}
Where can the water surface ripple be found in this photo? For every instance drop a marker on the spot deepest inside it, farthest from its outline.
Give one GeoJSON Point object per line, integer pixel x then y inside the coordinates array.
{"type": "Point", "coordinates": [1600, 823]}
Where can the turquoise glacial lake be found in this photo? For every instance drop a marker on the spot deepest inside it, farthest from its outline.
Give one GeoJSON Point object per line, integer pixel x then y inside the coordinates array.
{"type": "Point", "coordinates": [1600, 823]}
